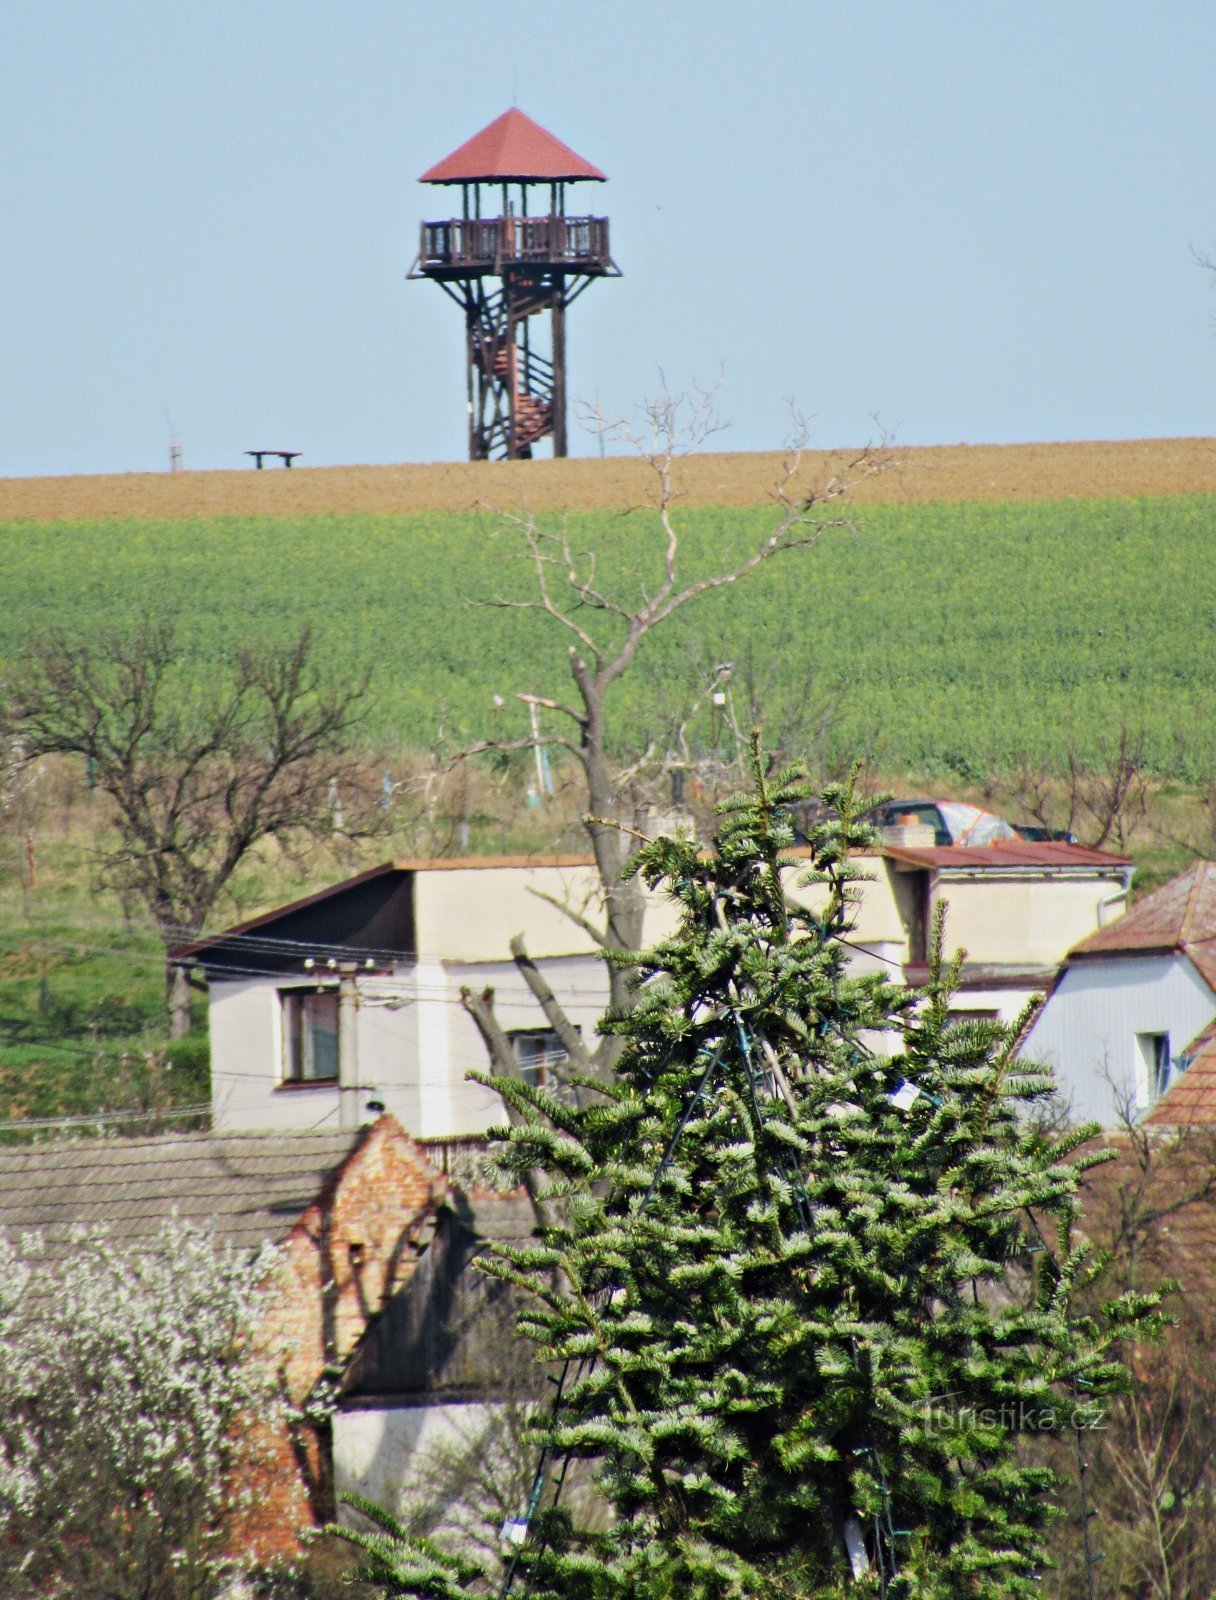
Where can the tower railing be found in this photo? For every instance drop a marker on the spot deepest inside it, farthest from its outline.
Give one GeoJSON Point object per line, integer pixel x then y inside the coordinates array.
{"type": "Point", "coordinates": [487, 244]}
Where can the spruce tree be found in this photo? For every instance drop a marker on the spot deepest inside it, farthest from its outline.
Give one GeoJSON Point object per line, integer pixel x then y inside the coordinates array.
{"type": "Point", "coordinates": [815, 1269]}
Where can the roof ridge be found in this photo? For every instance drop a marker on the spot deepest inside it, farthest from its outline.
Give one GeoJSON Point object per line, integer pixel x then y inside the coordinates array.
{"type": "Point", "coordinates": [1197, 876]}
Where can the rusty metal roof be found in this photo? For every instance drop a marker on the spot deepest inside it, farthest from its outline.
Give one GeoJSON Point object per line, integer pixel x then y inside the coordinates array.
{"type": "Point", "coordinates": [1181, 915]}
{"type": "Point", "coordinates": [512, 149]}
{"type": "Point", "coordinates": [253, 1187]}
{"type": "Point", "coordinates": [1053, 854]}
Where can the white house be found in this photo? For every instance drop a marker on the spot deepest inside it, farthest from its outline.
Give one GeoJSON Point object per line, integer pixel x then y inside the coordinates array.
{"type": "Point", "coordinates": [353, 994]}
{"type": "Point", "coordinates": [1129, 1012]}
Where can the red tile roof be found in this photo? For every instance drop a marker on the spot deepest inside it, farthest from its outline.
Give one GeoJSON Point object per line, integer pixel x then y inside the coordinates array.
{"type": "Point", "coordinates": [1191, 1098]}
{"type": "Point", "coordinates": [1006, 853]}
{"type": "Point", "coordinates": [1166, 1184]}
{"type": "Point", "coordinates": [1181, 915]}
{"type": "Point", "coordinates": [512, 149]}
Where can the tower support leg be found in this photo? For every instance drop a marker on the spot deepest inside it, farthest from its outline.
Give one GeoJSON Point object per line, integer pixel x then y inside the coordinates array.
{"type": "Point", "coordinates": [559, 368]}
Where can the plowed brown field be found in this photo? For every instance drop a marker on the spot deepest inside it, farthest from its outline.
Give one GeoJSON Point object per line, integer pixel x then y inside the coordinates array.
{"type": "Point", "coordinates": [942, 472]}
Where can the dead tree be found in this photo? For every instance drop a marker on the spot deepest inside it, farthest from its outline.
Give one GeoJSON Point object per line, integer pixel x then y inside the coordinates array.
{"type": "Point", "coordinates": [605, 630]}
{"type": "Point", "coordinates": [201, 767]}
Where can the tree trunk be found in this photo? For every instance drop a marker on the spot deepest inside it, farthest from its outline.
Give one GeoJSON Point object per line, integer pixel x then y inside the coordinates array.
{"type": "Point", "coordinates": [624, 904]}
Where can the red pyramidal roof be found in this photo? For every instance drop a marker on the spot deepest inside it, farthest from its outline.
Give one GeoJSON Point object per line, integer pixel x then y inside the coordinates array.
{"type": "Point", "coordinates": [512, 149]}
{"type": "Point", "coordinates": [1178, 916]}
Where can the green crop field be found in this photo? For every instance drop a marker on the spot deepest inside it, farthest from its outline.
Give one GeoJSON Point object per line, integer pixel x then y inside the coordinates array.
{"type": "Point", "coordinates": [958, 635]}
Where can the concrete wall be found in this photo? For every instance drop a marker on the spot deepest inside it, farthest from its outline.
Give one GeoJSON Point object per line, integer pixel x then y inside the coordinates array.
{"type": "Point", "coordinates": [472, 913]}
{"type": "Point", "coordinates": [379, 1449]}
{"type": "Point", "coordinates": [1004, 918]}
{"type": "Point", "coordinates": [415, 1045]}
{"type": "Point", "coordinates": [1087, 1030]}
{"type": "Point", "coordinates": [884, 907]}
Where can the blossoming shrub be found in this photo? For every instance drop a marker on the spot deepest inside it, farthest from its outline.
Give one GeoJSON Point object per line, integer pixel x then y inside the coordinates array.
{"type": "Point", "coordinates": [126, 1398]}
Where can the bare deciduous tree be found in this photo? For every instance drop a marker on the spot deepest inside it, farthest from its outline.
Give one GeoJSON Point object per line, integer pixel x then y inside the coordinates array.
{"type": "Point", "coordinates": [1102, 799]}
{"type": "Point", "coordinates": [1150, 1481]}
{"type": "Point", "coordinates": [606, 619]}
{"type": "Point", "coordinates": [200, 769]}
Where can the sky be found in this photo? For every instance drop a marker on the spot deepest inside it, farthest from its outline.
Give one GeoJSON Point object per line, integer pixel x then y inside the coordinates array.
{"type": "Point", "coordinates": [951, 222]}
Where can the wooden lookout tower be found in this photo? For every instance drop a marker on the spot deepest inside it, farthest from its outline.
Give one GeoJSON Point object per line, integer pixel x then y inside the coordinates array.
{"type": "Point", "coordinates": [512, 254]}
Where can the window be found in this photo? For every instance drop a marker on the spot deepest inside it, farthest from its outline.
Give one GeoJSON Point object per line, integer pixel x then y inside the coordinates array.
{"type": "Point", "coordinates": [1156, 1067]}
{"type": "Point", "coordinates": [310, 1035]}
{"type": "Point", "coordinates": [536, 1051]}
{"type": "Point", "coordinates": [954, 1018]}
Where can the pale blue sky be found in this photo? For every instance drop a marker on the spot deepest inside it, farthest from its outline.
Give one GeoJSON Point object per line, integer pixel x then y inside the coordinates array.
{"type": "Point", "coordinates": [975, 220]}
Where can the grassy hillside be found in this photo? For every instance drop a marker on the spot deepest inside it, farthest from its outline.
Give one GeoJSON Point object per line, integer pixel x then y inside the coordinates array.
{"type": "Point", "coordinates": [959, 634]}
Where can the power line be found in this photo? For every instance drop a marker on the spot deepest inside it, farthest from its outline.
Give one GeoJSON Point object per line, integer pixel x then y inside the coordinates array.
{"type": "Point", "coordinates": [103, 1118]}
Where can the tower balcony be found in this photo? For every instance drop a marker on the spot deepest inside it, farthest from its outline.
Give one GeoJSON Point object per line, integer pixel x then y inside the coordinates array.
{"type": "Point", "coordinates": [470, 247]}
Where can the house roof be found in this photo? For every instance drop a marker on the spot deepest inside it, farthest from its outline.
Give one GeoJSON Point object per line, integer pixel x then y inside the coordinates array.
{"type": "Point", "coordinates": [1181, 915]}
{"type": "Point", "coordinates": [1190, 1100]}
{"type": "Point", "coordinates": [512, 149]}
{"type": "Point", "coordinates": [254, 1187]}
{"type": "Point", "coordinates": [1168, 1183]}
{"type": "Point", "coordinates": [1053, 854]}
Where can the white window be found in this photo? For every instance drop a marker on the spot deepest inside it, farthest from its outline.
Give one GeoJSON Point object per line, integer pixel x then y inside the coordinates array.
{"type": "Point", "coordinates": [1155, 1069]}
{"type": "Point", "coordinates": [310, 1035]}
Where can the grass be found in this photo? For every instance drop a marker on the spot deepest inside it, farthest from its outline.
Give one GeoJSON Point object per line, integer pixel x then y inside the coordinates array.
{"type": "Point", "coordinates": [956, 635]}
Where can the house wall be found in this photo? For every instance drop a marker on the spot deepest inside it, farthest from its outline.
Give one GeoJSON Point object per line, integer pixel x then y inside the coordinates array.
{"type": "Point", "coordinates": [1002, 918]}
{"type": "Point", "coordinates": [353, 1247]}
{"type": "Point", "coordinates": [415, 1044]}
{"type": "Point", "coordinates": [1087, 1030]}
{"type": "Point", "coordinates": [245, 1022]}
{"type": "Point", "coordinates": [884, 910]}
{"type": "Point", "coordinates": [471, 914]}
{"type": "Point", "coordinates": [379, 1449]}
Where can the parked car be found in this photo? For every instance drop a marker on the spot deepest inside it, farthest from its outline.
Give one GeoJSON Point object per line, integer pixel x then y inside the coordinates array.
{"type": "Point", "coordinates": [952, 821]}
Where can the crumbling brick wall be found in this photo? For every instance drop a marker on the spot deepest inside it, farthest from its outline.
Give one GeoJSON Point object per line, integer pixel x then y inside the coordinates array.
{"type": "Point", "coordinates": [354, 1246]}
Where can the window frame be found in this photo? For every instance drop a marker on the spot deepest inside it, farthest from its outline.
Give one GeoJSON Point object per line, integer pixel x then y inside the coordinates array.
{"type": "Point", "coordinates": [544, 1061]}
{"type": "Point", "coordinates": [296, 1042]}
{"type": "Point", "coordinates": [1155, 1064]}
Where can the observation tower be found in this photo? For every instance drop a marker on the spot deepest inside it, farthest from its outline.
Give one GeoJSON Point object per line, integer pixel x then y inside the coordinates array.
{"type": "Point", "coordinates": [505, 270]}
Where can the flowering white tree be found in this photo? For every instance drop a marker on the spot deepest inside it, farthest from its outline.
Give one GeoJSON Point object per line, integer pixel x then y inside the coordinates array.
{"type": "Point", "coordinates": [126, 1396]}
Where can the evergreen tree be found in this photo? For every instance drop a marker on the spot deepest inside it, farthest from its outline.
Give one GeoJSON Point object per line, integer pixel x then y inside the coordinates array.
{"type": "Point", "coordinates": [816, 1267]}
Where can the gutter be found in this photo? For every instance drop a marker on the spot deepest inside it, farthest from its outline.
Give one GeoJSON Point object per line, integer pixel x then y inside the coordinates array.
{"type": "Point", "coordinates": [1113, 899]}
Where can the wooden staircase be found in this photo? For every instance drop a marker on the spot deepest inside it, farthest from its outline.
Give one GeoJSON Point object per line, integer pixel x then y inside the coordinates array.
{"type": "Point", "coordinates": [533, 411]}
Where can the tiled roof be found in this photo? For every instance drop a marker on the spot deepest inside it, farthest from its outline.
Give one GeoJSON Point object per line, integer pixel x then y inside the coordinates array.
{"type": "Point", "coordinates": [1190, 1101]}
{"type": "Point", "coordinates": [1174, 1188]}
{"type": "Point", "coordinates": [1180, 915]}
{"type": "Point", "coordinates": [1050, 853]}
{"type": "Point", "coordinates": [253, 1186]}
{"type": "Point", "coordinates": [512, 149]}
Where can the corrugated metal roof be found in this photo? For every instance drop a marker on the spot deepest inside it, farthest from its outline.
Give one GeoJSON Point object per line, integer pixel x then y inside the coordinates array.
{"type": "Point", "coordinates": [1180, 915]}
{"type": "Point", "coordinates": [1050, 853]}
{"type": "Point", "coordinates": [512, 149]}
{"type": "Point", "coordinates": [252, 1186]}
